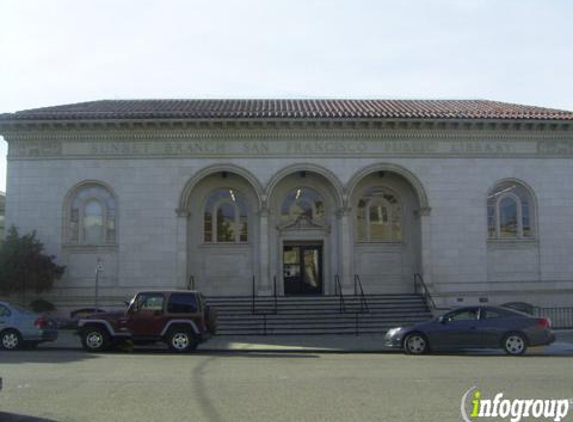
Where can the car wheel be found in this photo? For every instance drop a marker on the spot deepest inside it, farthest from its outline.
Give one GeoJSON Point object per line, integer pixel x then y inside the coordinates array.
{"type": "Point", "coordinates": [181, 340]}
{"type": "Point", "coordinates": [10, 340]}
{"type": "Point", "coordinates": [514, 344]}
{"type": "Point", "coordinates": [95, 339]}
{"type": "Point", "coordinates": [416, 344]}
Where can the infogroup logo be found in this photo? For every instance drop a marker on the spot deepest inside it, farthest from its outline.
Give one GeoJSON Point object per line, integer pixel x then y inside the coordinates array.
{"type": "Point", "coordinates": [513, 409]}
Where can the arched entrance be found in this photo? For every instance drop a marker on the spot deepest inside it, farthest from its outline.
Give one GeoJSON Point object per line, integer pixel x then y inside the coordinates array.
{"type": "Point", "coordinates": [304, 235]}
{"type": "Point", "coordinates": [386, 203]}
{"type": "Point", "coordinates": [221, 206]}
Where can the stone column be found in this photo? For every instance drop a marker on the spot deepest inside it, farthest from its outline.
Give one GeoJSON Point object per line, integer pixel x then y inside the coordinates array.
{"type": "Point", "coordinates": [345, 250]}
{"type": "Point", "coordinates": [183, 218]}
{"type": "Point", "coordinates": [265, 286]}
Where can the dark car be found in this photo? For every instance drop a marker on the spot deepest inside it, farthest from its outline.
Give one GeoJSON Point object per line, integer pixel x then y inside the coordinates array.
{"type": "Point", "coordinates": [84, 312]}
{"type": "Point", "coordinates": [474, 327]}
{"type": "Point", "coordinates": [179, 318]}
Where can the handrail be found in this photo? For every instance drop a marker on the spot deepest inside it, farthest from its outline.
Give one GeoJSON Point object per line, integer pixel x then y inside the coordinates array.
{"type": "Point", "coordinates": [357, 286]}
{"type": "Point", "coordinates": [275, 294]}
{"type": "Point", "coordinates": [338, 292]}
{"type": "Point", "coordinates": [419, 281]}
{"type": "Point", "coordinates": [265, 308]}
{"type": "Point", "coordinates": [191, 283]}
{"type": "Point", "coordinates": [253, 295]}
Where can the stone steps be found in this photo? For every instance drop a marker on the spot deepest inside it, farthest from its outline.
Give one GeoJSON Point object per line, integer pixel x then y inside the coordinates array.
{"type": "Point", "coordinates": [317, 315]}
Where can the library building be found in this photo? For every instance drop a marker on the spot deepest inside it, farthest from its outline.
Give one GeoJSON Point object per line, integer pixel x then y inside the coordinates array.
{"type": "Point", "coordinates": [468, 201]}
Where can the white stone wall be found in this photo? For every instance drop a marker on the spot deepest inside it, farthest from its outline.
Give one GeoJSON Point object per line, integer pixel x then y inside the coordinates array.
{"type": "Point", "coordinates": [458, 262]}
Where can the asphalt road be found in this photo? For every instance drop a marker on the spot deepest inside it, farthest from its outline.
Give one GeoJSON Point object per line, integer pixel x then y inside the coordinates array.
{"type": "Point", "coordinates": [147, 386]}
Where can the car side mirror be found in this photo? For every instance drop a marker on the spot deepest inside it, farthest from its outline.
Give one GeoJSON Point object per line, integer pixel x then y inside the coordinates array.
{"type": "Point", "coordinates": [442, 320]}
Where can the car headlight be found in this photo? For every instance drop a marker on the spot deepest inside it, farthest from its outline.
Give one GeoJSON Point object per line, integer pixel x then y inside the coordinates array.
{"type": "Point", "coordinates": [392, 332]}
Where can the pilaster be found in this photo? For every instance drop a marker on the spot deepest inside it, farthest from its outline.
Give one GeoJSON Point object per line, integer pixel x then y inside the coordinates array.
{"type": "Point", "coordinates": [345, 263]}
{"type": "Point", "coordinates": [264, 285]}
{"type": "Point", "coordinates": [183, 218]}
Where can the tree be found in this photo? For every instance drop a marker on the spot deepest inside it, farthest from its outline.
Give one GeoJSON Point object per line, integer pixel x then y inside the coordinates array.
{"type": "Point", "coordinates": [24, 266]}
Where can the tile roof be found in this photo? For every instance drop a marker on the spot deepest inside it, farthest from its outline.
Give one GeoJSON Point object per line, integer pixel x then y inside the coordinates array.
{"type": "Point", "coordinates": [268, 109]}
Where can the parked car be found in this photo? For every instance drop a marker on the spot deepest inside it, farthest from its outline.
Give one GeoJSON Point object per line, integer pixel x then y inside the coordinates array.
{"type": "Point", "coordinates": [179, 318]}
{"type": "Point", "coordinates": [526, 308]}
{"type": "Point", "coordinates": [474, 327]}
{"type": "Point", "coordinates": [21, 327]}
{"type": "Point", "coordinates": [84, 312]}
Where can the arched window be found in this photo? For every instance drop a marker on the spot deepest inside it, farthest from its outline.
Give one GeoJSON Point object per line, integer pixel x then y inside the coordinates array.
{"type": "Point", "coordinates": [303, 202]}
{"type": "Point", "coordinates": [510, 212]}
{"type": "Point", "coordinates": [91, 216]}
{"type": "Point", "coordinates": [379, 216]}
{"type": "Point", "coordinates": [225, 219]}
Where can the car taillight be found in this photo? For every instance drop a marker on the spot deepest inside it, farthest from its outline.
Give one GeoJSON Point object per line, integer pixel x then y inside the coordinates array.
{"type": "Point", "coordinates": [544, 323]}
{"type": "Point", "coordinates": [41, 322]}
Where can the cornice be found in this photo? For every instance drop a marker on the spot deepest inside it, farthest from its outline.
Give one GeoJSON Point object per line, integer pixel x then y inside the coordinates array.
{"type": "Point", "coordinates": [295, 134]}
{"type": "Point", "coordinates": [239, 129]}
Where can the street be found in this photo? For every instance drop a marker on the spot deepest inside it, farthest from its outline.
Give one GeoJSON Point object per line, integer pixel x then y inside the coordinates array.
{"type": "Point", "coordinates": [71, 385]}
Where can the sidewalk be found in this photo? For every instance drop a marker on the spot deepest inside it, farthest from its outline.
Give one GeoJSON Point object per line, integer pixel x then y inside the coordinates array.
{"type": "Point", "coordinates": [367, 343]}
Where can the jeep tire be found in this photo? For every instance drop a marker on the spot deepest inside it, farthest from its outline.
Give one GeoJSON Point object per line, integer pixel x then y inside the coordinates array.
{"type": "Point", "coordinates": [95, 339]}
{"type": "Point", "coordinates": [181, 340]}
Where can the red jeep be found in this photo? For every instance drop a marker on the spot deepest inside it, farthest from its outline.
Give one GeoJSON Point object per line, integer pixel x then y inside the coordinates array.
{"type": "Point", "coordinates": [179, 318]}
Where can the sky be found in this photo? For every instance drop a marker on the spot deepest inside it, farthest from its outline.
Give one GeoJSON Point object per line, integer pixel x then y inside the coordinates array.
{"type": "Point", "coordinates": [66, 51]}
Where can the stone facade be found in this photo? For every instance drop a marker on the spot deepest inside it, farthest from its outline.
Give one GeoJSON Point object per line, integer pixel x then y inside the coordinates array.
{"type": "Point", "coordinates": [435, 179]}
{"type": "Point", "coordinates": [2, 215]}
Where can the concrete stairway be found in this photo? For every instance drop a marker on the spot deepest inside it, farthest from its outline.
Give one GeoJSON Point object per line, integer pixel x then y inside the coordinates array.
{"type": "Point", "coordinates": [317, 314]}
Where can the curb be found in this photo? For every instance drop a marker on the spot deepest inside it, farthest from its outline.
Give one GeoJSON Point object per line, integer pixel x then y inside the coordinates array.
{"type": "Point", "coordinates": [295, 344]}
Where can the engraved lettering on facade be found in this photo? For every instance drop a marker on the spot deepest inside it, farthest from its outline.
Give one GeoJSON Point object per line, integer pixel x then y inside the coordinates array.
{"type": "Point", "coordinates": [193, 148]}
{"type": "Point", "coordinates": [285, 147]}
{"type": "Point", "coordinates": [416, 147]}
{"type": "Point", "coordinates": [325, 147]}
{"type": "Point", "coordinates": [256, 148]}
{"type": "Point", "coordinates": [120, 148]}
{"type": "Point", "coordinates": [35, 149]}
{"type": "Point", "coordinates": [480, 148]}
{"type": "Point", "coordinates": [555, 147]}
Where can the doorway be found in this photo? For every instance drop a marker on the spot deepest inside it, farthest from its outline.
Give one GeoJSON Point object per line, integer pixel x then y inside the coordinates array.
{"type": "Point", "coordinates": [302, 269]}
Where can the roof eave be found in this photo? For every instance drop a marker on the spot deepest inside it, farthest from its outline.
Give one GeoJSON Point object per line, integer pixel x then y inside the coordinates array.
{"type": "Point", "coordinates": [534, 123]}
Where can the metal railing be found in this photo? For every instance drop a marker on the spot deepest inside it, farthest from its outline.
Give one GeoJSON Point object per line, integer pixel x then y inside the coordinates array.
{"type": "Point", "coordinates": [421, 288]}
{"type": "Point", "coordinates": [560, 317]}
{"type": "Point", "coordinates": [191, 283]}
{"type": "Point", "coordinates": [359, 291]}
{"type": "Point", "coordinates": [254, 296]}
{"type": "Point", "coordinates": [275, 294]}
{"type": "Point", "coordinates": [338, 292]}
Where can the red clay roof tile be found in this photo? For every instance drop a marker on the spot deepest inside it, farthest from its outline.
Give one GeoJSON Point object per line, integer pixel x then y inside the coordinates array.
{"type": "Point", "coordinates": [288, 109]}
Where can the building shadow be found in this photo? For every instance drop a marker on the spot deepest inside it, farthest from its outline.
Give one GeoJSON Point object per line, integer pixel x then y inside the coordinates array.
{"type": "Point", "coordinates": [13, 417]}
{"type": "Point", "coordinates": [44, 356]}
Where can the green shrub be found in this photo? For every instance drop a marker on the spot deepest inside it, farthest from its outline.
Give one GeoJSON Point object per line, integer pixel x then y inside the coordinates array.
{"type": "Point", "coordinates": [24, 266]}
{"type": "Point", "coordinates": [42, 305]}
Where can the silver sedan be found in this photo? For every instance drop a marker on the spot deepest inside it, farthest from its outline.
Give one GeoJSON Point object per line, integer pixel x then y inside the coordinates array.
{"type": "Point", "coordinates": [21, 327]}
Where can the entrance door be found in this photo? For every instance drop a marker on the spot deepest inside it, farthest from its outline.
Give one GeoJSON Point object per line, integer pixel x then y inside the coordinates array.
{"type": "Point", "coordinates": [302, 269]}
